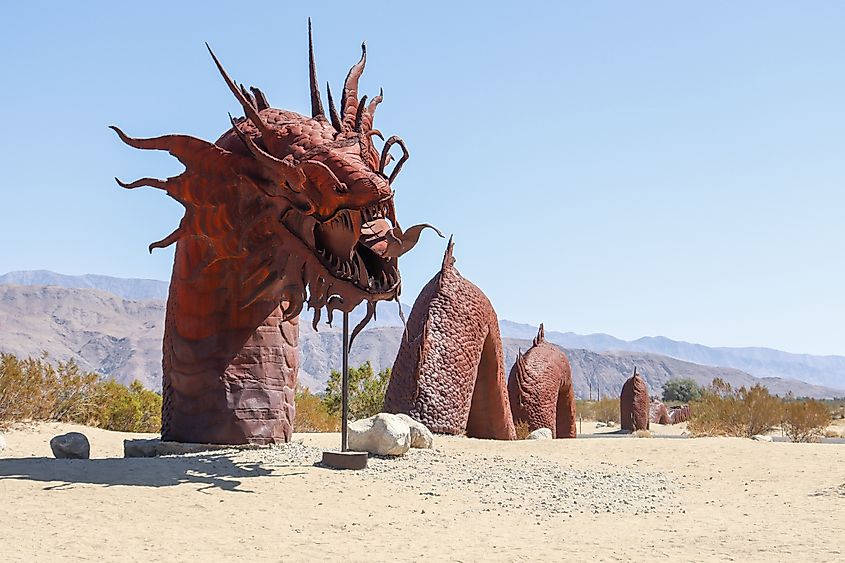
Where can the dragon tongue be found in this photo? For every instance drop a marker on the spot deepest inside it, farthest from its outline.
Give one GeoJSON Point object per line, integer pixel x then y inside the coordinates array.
{"type": "Point", "coordinates": [375, 235]}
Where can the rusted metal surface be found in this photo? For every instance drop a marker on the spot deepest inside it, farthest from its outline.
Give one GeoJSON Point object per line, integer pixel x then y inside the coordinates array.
{"type": "Point", "coordinates": [540, 389]}
{"type": "Point", "coordinates": [657, 413]}
{"type": "Point", "coordinates": [282, 211]}
{"type": "Point", "coordinates": [449, 371]}
{"type": "Point", "coordinates": [678, 414]}
{"type": "Point", "coordinates": [633, 404]}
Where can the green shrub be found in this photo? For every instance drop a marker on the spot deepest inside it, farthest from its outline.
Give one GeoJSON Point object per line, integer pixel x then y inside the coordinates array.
{"type": "Point", "coordinates": [681, 390]}
{"type": "Point", "coordinates": [366, 391]}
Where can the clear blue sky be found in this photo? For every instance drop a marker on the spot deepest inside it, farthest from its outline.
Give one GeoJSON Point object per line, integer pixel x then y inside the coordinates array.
{"type": "Point", "coordinates": [636, 168]}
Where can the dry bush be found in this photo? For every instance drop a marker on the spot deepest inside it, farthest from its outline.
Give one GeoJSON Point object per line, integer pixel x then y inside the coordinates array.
{"type": "Point", "coordinates": [312, 414]}
{"type": "Point", "coordinates": [805, 421]}
{"type": "Point", "coordinates": [723, 411]}
{"type": "Point", "coordinates": [606, 410]}
{"type": "Point", "coordinates": [522, 430]}
{"type": "Point", "coordinates": [832, 434]}
{"type": "Point", "coordinates": [642, 434]}
{"type": "Point", "coordinates": [33, 389]}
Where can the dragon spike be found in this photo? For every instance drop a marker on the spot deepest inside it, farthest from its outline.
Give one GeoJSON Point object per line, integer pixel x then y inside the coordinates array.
{"type": "Point", "coordinates": [260, 99]}
{"type": "Point", "coordinates": [333, 110]}
{"type": "Point", "coordinates": [360, 113]}
{"type": "Point", "coordinates": [371, 311]}
{"type": "Point", "coordinates": [541, 336]}
{"type": "Point", "coordinates": [448, 256]}
{"type": "Point", "coordinates": [150, 182]}
{"type": "Point", "coordinates": [316, 102]}
{"type": "Point", "coordinates": [247, 95]}
{"type": "Point", "coordinates": [248, 108]}
{"type": "Point", "coordinates": [369, 115]}
{"type": "Point", "coordinates": [349, 104]}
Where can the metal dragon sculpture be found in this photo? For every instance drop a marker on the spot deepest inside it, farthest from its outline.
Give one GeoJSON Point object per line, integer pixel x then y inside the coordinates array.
{"type": "Point", "coordinates": [634, 404]}
{"type": "Point", "coordinates": [540, 389]}
{"type": "Point", "coordinates": [282, 211]}
{"type": "Point", "coordinates": [449, 371]}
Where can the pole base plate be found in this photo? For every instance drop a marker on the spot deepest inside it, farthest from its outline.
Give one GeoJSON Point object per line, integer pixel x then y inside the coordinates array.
{"type": "Point", "coordinates": [345, 460]}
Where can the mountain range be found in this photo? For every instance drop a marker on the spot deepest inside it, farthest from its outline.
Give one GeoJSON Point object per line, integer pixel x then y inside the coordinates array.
{"type": "Point", "coordinates": [114, 326]}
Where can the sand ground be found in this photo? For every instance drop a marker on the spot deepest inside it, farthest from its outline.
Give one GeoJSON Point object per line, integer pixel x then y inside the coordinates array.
{"type": "Point", "coordinates": [599, 499]}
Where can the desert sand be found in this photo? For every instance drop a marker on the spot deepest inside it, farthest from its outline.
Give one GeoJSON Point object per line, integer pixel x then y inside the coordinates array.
{"type": "Point", "coordinates": [589, 499]}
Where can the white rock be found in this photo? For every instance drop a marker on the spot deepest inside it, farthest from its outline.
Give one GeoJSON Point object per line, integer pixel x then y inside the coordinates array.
{"type": "Point", "coordinates": [73, 445]}
{"type": "Point", "coordinates": [382, 434]}
{"type": "Point", "coordinates": [421, 436]}
{"type": "Point", "coordinates": [540, 434]}
{"type": "Point", "coordinates": [761, 438]}
{"type": "Point", "coordinates": [600, 425]}
{"type": "Point", "coordinates": [2, 442]}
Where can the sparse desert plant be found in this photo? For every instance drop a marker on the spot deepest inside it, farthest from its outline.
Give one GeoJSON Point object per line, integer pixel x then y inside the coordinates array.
{"type": "Point", "coordinates": [366, 391]}
{"type": "Point", "coordinates": [34, 389]}
{"type": "Point", "coordinates": [606, 410]}
{"type": "Point", "coordinates": [681, 390]}
{"type": "Point", "coordinates": [723, 411]}
{"type": "Point", "coordinates": [830, 433]}
{"type": "Point", "coordinates": [522, 430]}
{"type": "Point", "coordinates": [312, 414]}
{"type": "Point", "coordinates": [805, 421]}
{"type": "Point", "coordinates": [642, 434]}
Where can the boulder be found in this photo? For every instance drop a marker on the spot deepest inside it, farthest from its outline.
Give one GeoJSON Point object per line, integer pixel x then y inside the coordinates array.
{"type": "Point", "coordinates": [761, 438]}
{"type": "Point", "coordinates": [421, 436]}
{"type": "Point", "coordinates": [2, 443]}
{"type": "Point", "coordinates": [382, 434]}
{"type": "Point", "coordinates": [540, 434]}
{"type": "Point", "coordinates": [73, 445]}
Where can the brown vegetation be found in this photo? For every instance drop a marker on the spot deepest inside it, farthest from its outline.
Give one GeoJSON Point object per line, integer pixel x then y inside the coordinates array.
{"type": "Point", "coordinates": [522, 430]}
{"type": "Point", "coordinates": [805, 421]}
{"type": "Point", "coordinates": [34, 389]}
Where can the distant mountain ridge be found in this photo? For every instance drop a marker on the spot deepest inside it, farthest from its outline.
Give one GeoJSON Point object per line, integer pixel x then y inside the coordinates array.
{"type": "Point", "coordinates": [120, 337]}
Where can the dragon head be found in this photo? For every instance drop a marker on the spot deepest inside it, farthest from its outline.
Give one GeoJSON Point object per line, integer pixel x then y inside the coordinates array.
{"type": "Point", "coordinates": [303, 204]}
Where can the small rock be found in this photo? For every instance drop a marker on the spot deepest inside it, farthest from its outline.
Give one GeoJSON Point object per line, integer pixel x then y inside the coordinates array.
{"type": "Point", "coordinates": [540, 434]}
{"type": "Point", "coordinates": [600, 425]}
{"type": "Point", "coordinates": [73, 445]}
{"type": "Point", "coordinates": [761, 438]}
{"type": "Point", "coordinates": [421, 436]}
{"type": "Point", "coordinates": [382, 434]}
{"type": "Point", "coordinates": [2, 443]}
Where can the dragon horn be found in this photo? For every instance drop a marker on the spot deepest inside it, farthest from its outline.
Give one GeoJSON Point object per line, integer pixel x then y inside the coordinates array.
{"type": "Point", "coordinates": [333, 110]}
{"type": "Point", "coordinates": [349, 104]}
{"type": "Point", "coordinates": [248, 108]}
{"type": "Point", "coordinates": [316, 102]}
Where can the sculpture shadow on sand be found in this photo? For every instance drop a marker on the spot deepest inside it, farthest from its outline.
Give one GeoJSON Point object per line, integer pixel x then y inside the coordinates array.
{"type": "Point", "coordinates": [212, 471]}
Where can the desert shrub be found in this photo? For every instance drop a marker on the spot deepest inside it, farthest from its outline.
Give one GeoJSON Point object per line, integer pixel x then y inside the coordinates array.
{"type": "Point", "coordinates": [522, 430]}
{"type": "Point", "coordinates": [125, 409]}
{"type": "Point", "coordinates": [805, 421]}
{"type": "Point", "coordinates": [606, 410]}
{"type": "Point", "coordinates": [366, 391]}
{"type": "Point", "coordinates": [33, 389]}
{"type": "Point", "coordinates": [830, 433]}
{"type": "Point", "coordinates": [642, 434]}
{"type": "Point", "coordinates": [723, 411]}
{"type": "Point", "coordinates": [312, 414]}
{"type": "Point", "coordinates": [584, 409]}
{"type": "Point", "coordinates": [681, 390]}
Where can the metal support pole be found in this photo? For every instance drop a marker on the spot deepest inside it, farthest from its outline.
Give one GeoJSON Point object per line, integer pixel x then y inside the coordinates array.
{"type": "Point", "coordinates": [344, 423]}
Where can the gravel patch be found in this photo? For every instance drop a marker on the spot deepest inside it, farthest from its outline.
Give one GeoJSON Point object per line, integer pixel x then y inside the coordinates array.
{"type": "Point", "coordinates": [531, 484]}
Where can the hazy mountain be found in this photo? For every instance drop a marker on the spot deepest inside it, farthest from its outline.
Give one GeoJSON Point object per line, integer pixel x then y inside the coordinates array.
{"type": "Point", "coordinates": [826, 371]}
{"type": "Point", "coordinates": [129, 288]}
{"type": "Point", "coordinates": [121, 338]}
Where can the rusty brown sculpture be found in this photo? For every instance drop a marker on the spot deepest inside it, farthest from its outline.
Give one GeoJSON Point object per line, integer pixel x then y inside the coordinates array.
{"type": "Point", "coordinates": [657, 413]}
{"type": "Point", "coordinates": [540, 389]}
{"type": "Point", "coordinates": [449, 372]}
{"type": "Point", "coordinates": [633, 404]}
{"type": "Point", "coordinates": [678, 414]}
{"type": "Point", "coordinates": [282, 211]}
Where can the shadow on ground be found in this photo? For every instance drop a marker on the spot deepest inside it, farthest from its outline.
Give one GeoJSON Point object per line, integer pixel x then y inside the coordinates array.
{"type": "Point", "coordinates": [210, 471]}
